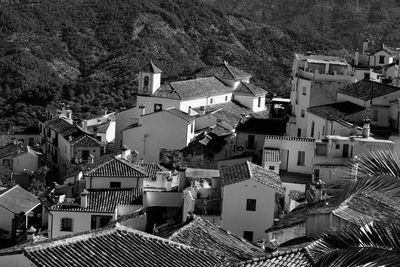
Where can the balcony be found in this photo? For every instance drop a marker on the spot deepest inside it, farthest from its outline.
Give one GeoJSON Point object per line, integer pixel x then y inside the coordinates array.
{"type": "Point", "coordinates": [334, 76]}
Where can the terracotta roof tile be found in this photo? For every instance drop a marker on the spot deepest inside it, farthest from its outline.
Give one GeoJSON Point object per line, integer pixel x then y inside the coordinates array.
{"type": "Point", "coordinates": [105, 200]}
{"type": "Point", "coordinates": [114, 167]}
{"type": "Point", "coordinates": [150, 68]}
{"type": "Point", "coordinates": [224, 71]}
{"type": "Point", "coordinates": [120, 246]}
{"type": "Point", "coordinates": [152, 169]}
{"type": "Point", "coordinates": [367, 90]}
{"type": "Point", "coordinates": [62, 127]}
{"type": "Point", "coordinates": [17, 200]}
{"type": "Point", "coordinates": [246, 171]}
{"type": "Point", "coordinates": [202, 234]}
{"type": "Point", "coordinates": [292, 258]}
{"type": "Point", "coordinates": [85, 141]}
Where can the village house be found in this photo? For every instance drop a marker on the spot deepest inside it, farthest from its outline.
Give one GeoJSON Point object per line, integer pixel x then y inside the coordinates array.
{"type": "Point", "coordinates": [19, 210]}
{"type": "Point", "coordinates": [19, 158]}
{"type": "Point", "coordinates": [170, 128]}
{"type": "Point", "coordinates": [103, 127]}
{"type": "Point", "coordinates": [95, 208]}
{"type": "Point", "coordinates": [339, 118]}
{"type": "Point", "coordinates": [315, 80]}
{"type": "Point", "coordinates": [251, 198]}
{"type": "Point", "coordinates": [26, 135]}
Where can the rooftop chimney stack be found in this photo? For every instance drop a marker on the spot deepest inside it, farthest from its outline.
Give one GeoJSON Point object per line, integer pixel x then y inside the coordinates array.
{"type": "Point", "coordinates": [84, 125]}
{"type": "Point", "coordinates": [366, 129]}
{"type": "Point", "coordinates": [202, 111]}
{"type": "Point", "coordinates": [126, 153]}
{"type": "Point", "coordinates": [142, 111]}
{"type": "Point", "coordinates": [84, 199]}
{"type": "Point", "coordinates": [365, 46]}
{"type": "Point", "coordinates": [356, 55]}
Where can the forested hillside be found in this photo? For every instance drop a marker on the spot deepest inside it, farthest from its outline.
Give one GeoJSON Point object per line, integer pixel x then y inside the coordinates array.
{"type": "Point", "coordinates": [87, 52]}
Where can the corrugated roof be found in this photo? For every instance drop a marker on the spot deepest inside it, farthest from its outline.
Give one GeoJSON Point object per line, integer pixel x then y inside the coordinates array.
{"type": "Point", "coordinates": [245, 88]}
{"type": "Point", "coordinates": [286, 258]}
{"type": "Point", "coordinates": [120, 246]}
{"type": "Point", "coordinates": [245, 171]}
{"type": "Point", "coordinates": [105, 200]}
{"type": "Point", "coordinates": [204, 235]}
{"type": "Point", "coordinates": [114, 167]}
{"type": "Point", "coordinates": [367, 90]}
{"type": "Point", "coordinates": [336, 110]}
{"type": "Point", "coordinates": [17, 200]}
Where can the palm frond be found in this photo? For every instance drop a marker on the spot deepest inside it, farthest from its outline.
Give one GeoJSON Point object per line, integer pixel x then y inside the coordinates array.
{"type": "Point", "coordinates": [379, 162]}
{"type": "Point", "coordinates": [370, 245]}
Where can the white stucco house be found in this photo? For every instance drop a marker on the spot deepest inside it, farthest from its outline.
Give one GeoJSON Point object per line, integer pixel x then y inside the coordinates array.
{"type": "Point", "coordinates": [18, 158]}
{"type": "Point", "coordinates": [250, 199]}
{"type": "Point", "coordinates": [170, 128]}
{"type": "Point", "coordinates": [94, 209]}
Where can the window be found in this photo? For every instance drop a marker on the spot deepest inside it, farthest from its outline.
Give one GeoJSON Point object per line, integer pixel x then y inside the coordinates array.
{"type": "Point", "coordinates": [191, 128]}
{"type": "Point", "coordinates": [211, 100]}
{"type": "Point", "coordinates": [304, 90]}
{"type": "Point", "coordinates": [271, 168]}
{"type": "Point", "coordinates": [259, 102]}
{"type": "Point", "coordinates": [337, 146]}
{"type": "Point", "coordinates": [303, 113]}
{"type": "Point", "coordinates": [381, 59]}
{"type": "Point", "coordinates": [85, 154]}
{"type": "Point", "coordinates": [312, 129]}
{"type": "Point", "coordinates": [316, 173]}
{"type": "Point", "coordinates": [250, 141]}
{"type": "Point", "coordinates": [157, 107]}
{"type": "Point", "coordinates": [146, 81]}
{"type": "Point", "coordinates": [226, 98]}
{"type": "Point", "coordinates": [251, 205]}
{"type": "Point", "coordinates": [98, 221]}
{"type": "Point", "coordinates": [7, 162]}
{"type": "Point", "coordinates": [323, 130]}
{"type": "Point", "coordinates": [31, 141]}
{"type": "Point", "coordinates": [66, 224]}
{"type": "Point", "coordinates": [301, 158]}
{"type": "Point", "coordinates": [375, 115]}
{"type": "Point", "coordinates": [248, 235]}
{"type": "Point", "coordinates": [298, 132]}
{"type": "Point", "coordinates": [115, 184]}
{"type": "Point", "coordinates": [366, 76]}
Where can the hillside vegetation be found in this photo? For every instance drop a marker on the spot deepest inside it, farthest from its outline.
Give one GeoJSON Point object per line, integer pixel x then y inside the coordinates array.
{"type": "Point", "coordinates": [87, 53]}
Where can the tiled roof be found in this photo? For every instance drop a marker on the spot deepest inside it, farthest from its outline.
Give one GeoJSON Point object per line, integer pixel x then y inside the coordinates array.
{"type": "Point", "coordinates": [150, 68]}
{"type": "Point", "coordinates": [85, 141]}
{"type": "Point", "coordinates": [293, 258]}
{"type": "Point", "coordinates": [224, 71]}
{"type": "Point", "coordinates": [231, 112]}
{"type": "Point", "coordinates": [105, 200]}
{"type": "Point", "coordinates": [114, 167]}
{"type": "Point", "coordinates": [246, 171]}
{"type": "Point", "coordinates": [245, 88]}
{"type": "Point", "coordinates": [11, 149]}
{"type": "Point", "coordinates": [272, 155]}
{"type": "Point", "coordinates": [192, 89]}
{"type": "Point", "coordinates": [62, 127]}
{"type": "Point", "coordinates": [120, 246]}
{"type": "Point", "coordinates": [204, 235]}
{"type": "Point", "coordinates": [210, 140]}
{"type": "Point", "coordinates": [17, 200]}
{"type": "Point", "coordinates": [263, 126]}
{"type": "Point", "coordinates": [367, 90]}
{"type": "Point", "coordinates": [152, 169]}
{"type": "Point", "coordinates": [100, 128]}
{"type": "Point", "coordinates": [297, 196]}
{"type": "Point", "coordinates": [336, 110]}
{"type": "Point", "coordinates": [180, 114]}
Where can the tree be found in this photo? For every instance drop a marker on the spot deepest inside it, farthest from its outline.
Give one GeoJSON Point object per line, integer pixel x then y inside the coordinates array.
{"type": "Point", "coordinates": [375, 243]}
{"type": "Point", "coordinates": [38, 181]}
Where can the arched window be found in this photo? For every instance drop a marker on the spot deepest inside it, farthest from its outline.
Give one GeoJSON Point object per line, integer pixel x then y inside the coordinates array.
{"type": "Point", "coordinates": [146, 81]}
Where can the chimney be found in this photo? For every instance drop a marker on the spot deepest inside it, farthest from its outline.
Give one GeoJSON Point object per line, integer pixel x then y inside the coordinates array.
{"type": "Point", "coordinates": [30, 233]}
{"type": "Point", "coordinates": [142, 111]}
{"type": "Point", "coordinates": [382, 46]}
{"type": "Point", "coordinates": [202, 111]}
{"type": "Point", "coordinates": [365, 46]}
{"type": "Point", "coordinates": [91, 158]}
{"type": "Point", "coordinates": [356, 55]}
{"type": "Point", "coordinates": [189, 110]}
{"type": "Point", "coordinates": [126, 153]}
{"type": "Point", "coordinates": [84, 125]}
{"type": "Point", "coordinates": [63, 111]}
{"type": "Point", "coordinates": [105, 112]}
{"type": "Point", "coordinates": [366, 129]}
{"type": "Point", "coordinates": [84, 199]}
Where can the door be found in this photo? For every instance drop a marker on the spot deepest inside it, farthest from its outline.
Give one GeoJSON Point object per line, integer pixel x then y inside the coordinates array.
{"type": "Point", "coordinates": [345, 151]}
{"type": "Point", "coordinates": [284, 160]}
{"type": "Point", "coordinates": [85, 154]}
